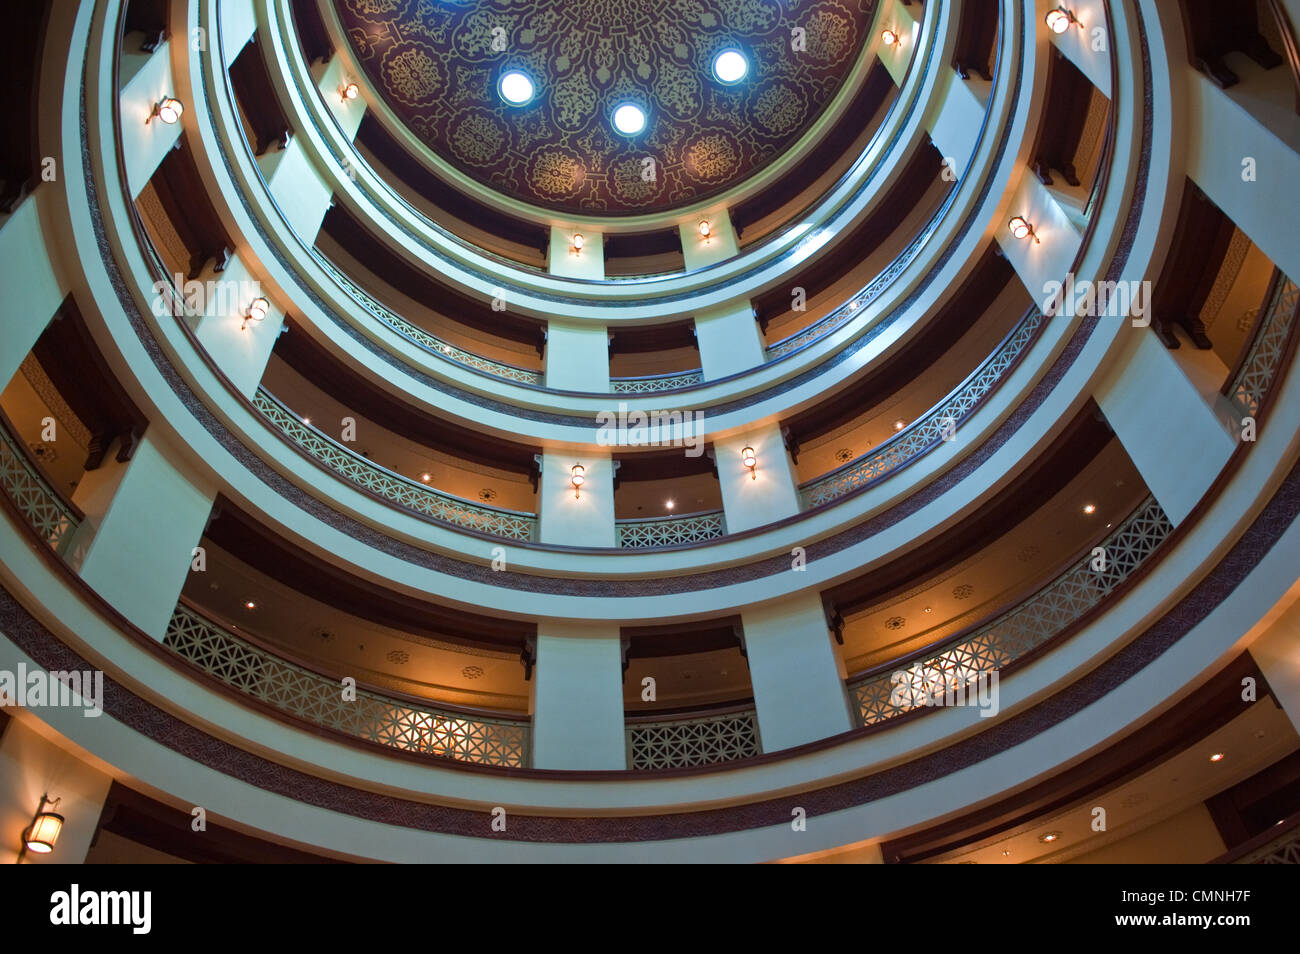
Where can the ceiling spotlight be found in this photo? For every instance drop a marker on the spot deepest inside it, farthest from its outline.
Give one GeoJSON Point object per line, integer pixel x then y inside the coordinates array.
{"type": "Point", "coordinates": [629, 118]}
{"type": "Point", "coordinates": [1059, 20]}
{"type": "Point", "coordinates": [1090, 509]}
{"type": "Point", "coordinates": [730, 66]}
{"type": "Point", "coordinates": [668, 505]}
{"type": "Point", "coordinates": [306, 420]}
{"type": "Point", "coordinates": [899, 425]}
{"type": "Point", "coordinates": [43, 832]}
{"type": "Point", "coordinates": [516, 88]}
{"type": "Point", "coordinates": [169, 110]}
{"type": "Point", "coordinates": [706, 230]}
{"type": "Point", "coordinates": [1021, 228]}
{"type": "Point", "coordinates": [257, 311]}
{"type": "Point", "coordinates": [1049, 837]}
{"type": "Point", "coordinates": [890, 37]}
{"type": "Point", "coordinates": [249, 604]}
{"type": "Point", "coordinates": [577, 477]}
{"type": "Point", "coordinates": [425, 478]}
{"type": "Point", "coordinates": [350, 91]}
{"type": "Point", "coordinates": [1216, 757]}
{"type": "Point", "coordinates": [748, 458]}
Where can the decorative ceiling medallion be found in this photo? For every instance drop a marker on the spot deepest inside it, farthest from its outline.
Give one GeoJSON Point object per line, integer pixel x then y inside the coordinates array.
{"type": "Point", "coordinates": [895, 622]}
{"type": "Point", "coordinates": [963, 591]}
{"type": "Point", "coordinates": [398, 657]}
{"type": "Point", "coordinates": [844, 455]}
{"type": "Point", "coordinates": [472, 672]}
{"type": "Point", "coordinates": [439, 64]}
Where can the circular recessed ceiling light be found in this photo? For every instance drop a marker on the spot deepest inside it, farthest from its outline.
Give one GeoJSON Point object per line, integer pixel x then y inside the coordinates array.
{"type": "Point", "coordinates": [730, 66]}
{"type": "Point", "coordinates": [629, 119]}
{"type": "Point", "coordinates": [516, 88]}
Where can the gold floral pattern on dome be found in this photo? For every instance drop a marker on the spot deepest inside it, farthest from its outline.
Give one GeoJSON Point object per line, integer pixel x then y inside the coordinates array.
{"type": "Point", "coordinates": [438, 63]}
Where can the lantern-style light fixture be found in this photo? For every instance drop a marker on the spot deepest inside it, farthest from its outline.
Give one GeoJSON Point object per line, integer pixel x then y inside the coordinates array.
{"type": "Point", "coordinates": [169, 110]}
{"type": "Point", "coordinates": [750, 460]}
{"type": "Point", "coordinates": [45, 827]}
{"type": "Point", "coordinates": [350, 91]}
{"type": "Point", "coordinates": [1022, 229]}
{"type": "Point", "coordinates": [577, 477]}
{"type": "Point", "coordinates": [1059, 20]}
{"type": "Point", "coordinates": [706, 230]}
{"type": "Point", "coordinates": [257, 311]}
{"type": "Point", "coordinates": [890, 37]}
{"type": "Point", "coordinates": [576, 243]}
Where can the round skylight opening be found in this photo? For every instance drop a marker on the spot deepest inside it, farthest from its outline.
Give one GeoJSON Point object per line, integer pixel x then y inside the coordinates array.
{"type": "Point", "coordinates": [516, 88]}
{"type": "Point", "coordinates": [629, 119]}
{"type": "Point", "coordinates": [730, 66]}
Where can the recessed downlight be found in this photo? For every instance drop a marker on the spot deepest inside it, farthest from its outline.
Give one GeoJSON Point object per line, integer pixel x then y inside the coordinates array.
{"type": "Point", "coordinates": [516, 88]}
{"type": "Point", "coordinates": [730, 66]}
{"type": "Point", "coordinates": [629, 119]}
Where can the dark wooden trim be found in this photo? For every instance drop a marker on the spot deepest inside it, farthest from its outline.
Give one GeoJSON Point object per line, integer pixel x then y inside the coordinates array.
{"type": "Point", "coordinates": [1259, 841]}
{"type": "Point", "coordinates": [1290, 49]}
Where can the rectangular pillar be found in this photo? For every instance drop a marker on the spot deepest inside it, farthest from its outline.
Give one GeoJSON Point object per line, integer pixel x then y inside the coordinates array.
{"type": "Point", "coordinates": [37, 289]}
{"type": "Point", "coordinates": [699, 250]}
{"type": "Point", "coordinates": [31, 766]}
{"type": "Point", "coordinates": [577, 356]}
{"type": "Point", "coordinates": [565, 260]}
{"type": "Point", "coordinates": [769, 492]}
{"type": "Point", "coordinates": [729, 340]}
{"type": "Point", "coordinates": [1058, 237]}
{"type": "Point", "coordinates": [796, 673]}
{"type": "Point", "coordinates": [297, 188]}
{"type": "Point", "coordinates": [240, 349]}
{"type": "Point", "coordinates": [1175, 439]}
{"type": "Point", "coordinates": [143, 520]}
{"type": "Point", "coordinates": [584, 518]}
{"type": "Point", "coordinates": [146, 139]}
{"type": "Point", "coordinates": [1277, 653]}
{"type": "Point", "coordinates": [577, 697]}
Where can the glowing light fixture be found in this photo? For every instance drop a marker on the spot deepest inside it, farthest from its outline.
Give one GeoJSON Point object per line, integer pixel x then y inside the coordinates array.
{"type": "Point", "coordinates": [45, 827]}
{"type": "Point", "coordinates": [1022, 229]}
{"type": "Point", "coordinates": [1090, 509]}
{"type": "Point", "coordinates": [576, 243]}
{"type": "Point", "coordinates": [257, 311]}
{"type": "Point", "coordinates": [899, 425]}
{"type": "Point", "coordinates": [350, 91]}
{"type": "Point", "coordinates": [1216, 757]}
{"type": "Point", "coordinates": [748, 458]}
{"type": "Point", "coordinates": [629, 119]}
{"type": "Point", "coordinates": [169, 110]}
{"type": "Point", "coordinates": [425, 478]}
{"type": "Point", "coordinates": [577, 477]}
{"type": "Point", "coordinates": [730, 66]}
{"type": "Point", "coordinates": [1049, 837]}
{"type": "Point", "coordinates": [890, 37]}
{"type": "Point", "coordinates": [1059, 20]}
{"type": "Point", "coordinates": [706, 230]}
{"type": "Point", "coordinates": [516, 88]}
{"type": "Point", "coordinates": [249, 604]}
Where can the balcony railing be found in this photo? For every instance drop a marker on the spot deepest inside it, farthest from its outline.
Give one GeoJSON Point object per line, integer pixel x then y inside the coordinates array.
{"type": "Point", "coordinates": [49, 515]}
{"type": "Point", "coordinates": [1255, 376]}
{"type": "Point", "coordinates": [643, 534]}
{"type": "Point", "coordinates": [687, 742]}
{"type": "Point", "coordinates": [421, 338]}
{"type": "Point", "coordinates": [882, 694]}
{"type": "Point", "coordinates": [653, 383]}
{"type": "Point", "coordinates": [351, 466]}
{"type": "Point", "coordinates": [308, 695]}
{"type": "Point", "coordinates": [937, 425]}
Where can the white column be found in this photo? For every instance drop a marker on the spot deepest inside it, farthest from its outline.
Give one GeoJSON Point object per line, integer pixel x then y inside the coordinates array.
{"type": "Point", "coordinates": [146, 139]}
{"type": "Point", "coordinates": [758, 497]}
{"type": "Point", "coordinates": [905, 20]}
{"type": "Point", "coordinates": [796, 673]}
{"type": "Point", "coordinates": [954, 125]}
{"type": "Point", "coordinates": [729, 340]}
{"type": "Point", "coordinates": [577, 356]}
{"type": "Point", "coordinates": [1178, 442]}
{"type": "Point", "coordinates": [1243, 166]}
{"type": "Point", "coordinates": [1277, 653]}
{"type": "Point", "coordinates": [1048, 258]}
{"type": "Point", "coordinates": [32, 766]}
{"type": "Point", "coordinates": [143, 519]}
{"type": "Point", "coordinates": [239, 348]}
{"type": "Point", "coordinates": [720, 244]}
{"type": "Point", "coordinates": [1077, 43]}
{"type": "Point", "coordinates": [568, 261]}
{"type": "Point", "coordinates": [330, 80]}
{"type": "Point", "coordinates": [35, 288]}
{"type": "Point", "coordinates": [581, 518]}
{"type": "Point", "coordinates": [577, 697]}
{"type": "Point", "coordinates": [238, 23]}
{"type": "Point", "coordinates": [297, 188]}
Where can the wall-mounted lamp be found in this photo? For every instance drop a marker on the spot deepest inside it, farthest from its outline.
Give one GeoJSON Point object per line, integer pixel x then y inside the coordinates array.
{"type": "Point", "coordinates": [577, 477]}
{"type": "Point", "coordinates": [890, 37]}
{"type": "Point", "coordinates": [706, 230]}
{"type": "Point", "coordinates": [169, 110]}
{"type": "Point", "coordinates": [1022, 229]}
{"type": "Point", "coordinates": [576, 243]}
{"type": "Point", "coordinates": [257, 311]}
{"type": "Point", "coordinates": [350, 91]}
{"type": "Point", "coordinates": [40, 836]}
{"type": "Point", "coordinates": [1059, 20]}
{"type": "Point", "coordinates": [748, 458]}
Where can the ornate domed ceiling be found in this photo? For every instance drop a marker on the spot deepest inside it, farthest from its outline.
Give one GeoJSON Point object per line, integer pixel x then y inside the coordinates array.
{"type": "Point", "coordinates": [439, 67]}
